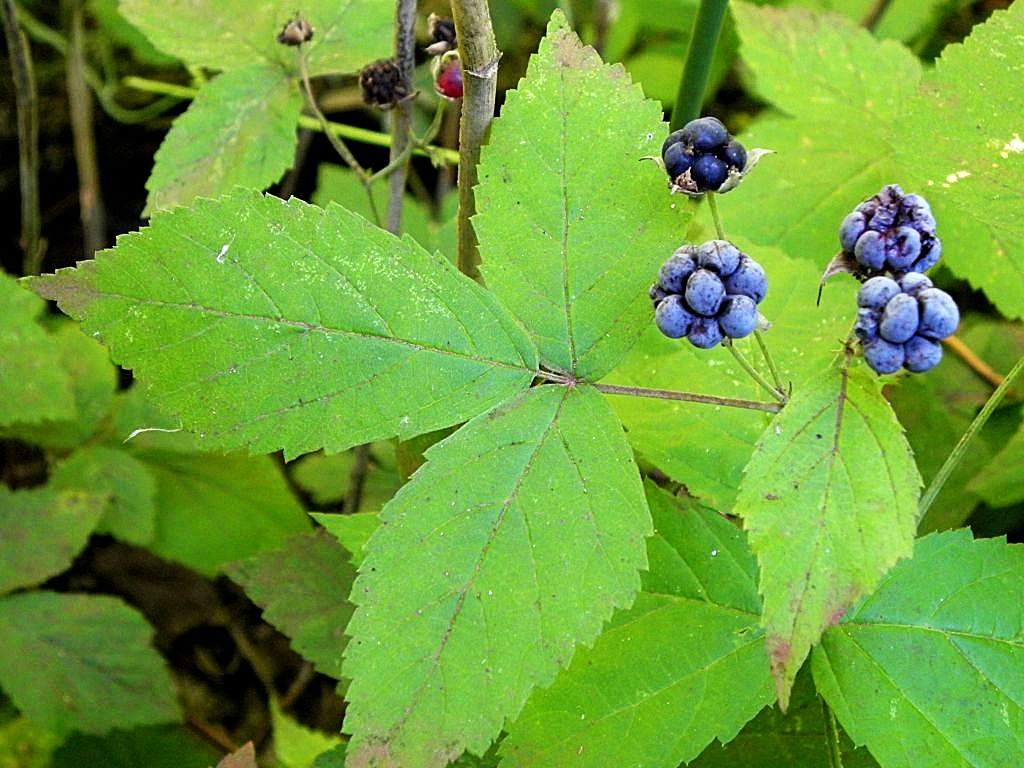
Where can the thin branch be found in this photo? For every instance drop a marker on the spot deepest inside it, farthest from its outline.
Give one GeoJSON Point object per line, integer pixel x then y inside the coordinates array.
{"type": "Point", "coordinates": [697, 68]}
{"type": "Point", "coordinates": [713, 205]}
{"type": "Point", "coordinates": [351, 132]}
{"type": "Point", "coordinates": [90, 196]}
{"type": "Point", "coordinates": [767, 355]}
{"type": "Point", "coordinates": [875, 14]}
{"type": "Point", "coordinates": [335, 140]}
{"type": "Point", "coordinates": [357, 479]}
{"type": "Point", "coordinates": [975, 363]}
{"type": "Point", "coordinates": [778, 394]}
{"type": "Point", "coordinates": [960, 449]}
{"type": "Point", "coordinates": [27, 101]}
{"type": "Point", "coordinates": [480, 55]}
{"type": "Point", "coordinates": [401, 125]}
{"type": "Point", "coordinates": [689, 397]}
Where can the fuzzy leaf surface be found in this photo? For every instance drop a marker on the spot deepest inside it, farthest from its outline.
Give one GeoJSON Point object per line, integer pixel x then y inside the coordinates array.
{"type": "Point", "coordinates": [238, 131]}
{"type": "Point", "coordinates": [479, 584]}
{"type": "Point", "coordinates": [92, 666]}
{"type": "Point", "coordinates": [301, 589]}
{"type": "Point", "coordinates": [687, 659]}
{"type": "Point", "coordinates": [41, 532]}
{"type": "Point", "coordinates": [572, 226]}
{"type": "Point", "coordinates": [803, 339]}
{"type": "Point", "coordinates": [227, 34]}
{"type": "Point", "coordinates": [829, 499]}
{"type": "Point", "coordinates": [954, 611]}
{"type": "Point", "coordinates": [130, 510]}
{"type": "Point", "coordinates": [271, 325]}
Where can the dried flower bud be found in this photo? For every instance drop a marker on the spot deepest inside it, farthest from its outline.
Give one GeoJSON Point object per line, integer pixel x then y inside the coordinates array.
{"type": "Point", "coordinates": [382, 84]}
{"type": "Point", "coordinates": [442, 34]}
{"type": "Point", "coordinates": [295, 32]}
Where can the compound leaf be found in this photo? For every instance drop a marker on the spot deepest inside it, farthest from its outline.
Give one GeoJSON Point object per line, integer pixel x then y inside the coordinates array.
{"type": "Point", "coordinates": [685, 665]}
{"type": "Point", "coordinates": [301, 589]}
{"type": "Point", "coordinates": [41, 532]}
{"type": "Point", "coordinates": [268, 324]}
{"type": "Point", "coordinates": [130, 488]}
{"type": "Point", "coordinates": [92, 666]}
{"type": "Point", "coordinates": [829, 499]}
{"type": "Point", "coordinates": [571, 225]}
{"type": "Point", "coordinates": [239, 131]}
{"type": "Point", "coordinates": [226, 34]}
{"type": "Point", "coordinates": [511, 545]}
{"type": "Point", "coordinates": [803, 340]}
{"type": "Point", "coordinates": [927, 671]}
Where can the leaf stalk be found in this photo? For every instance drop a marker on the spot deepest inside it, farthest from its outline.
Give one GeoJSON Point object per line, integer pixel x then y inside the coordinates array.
{"type": "Point", "coordinates": [697, 67]}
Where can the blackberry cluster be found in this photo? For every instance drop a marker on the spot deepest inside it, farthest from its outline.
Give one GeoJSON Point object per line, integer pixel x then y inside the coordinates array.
{"type": "Point", "coordinates": [382, 84]}
{"type": "Point", "coordinates": [892, 231]}
{"type": "Point", "coordinates": [708, 293]}
{"type": "Point", "coordinates": [699, 157]}
{"type": "Point", "coordinates": [900, 323]}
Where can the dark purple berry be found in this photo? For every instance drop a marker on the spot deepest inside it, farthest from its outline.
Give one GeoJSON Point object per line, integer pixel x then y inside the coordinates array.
{"type": "Point", "coordinates": [719, 256]}
{"type": "Point", "coordinates": [914, 282]}
{"type": "Point", "coordinates": [853, 227]}
{"type": "Point", "coordinates": [657, 293]}
{"type": "Point", "coordinates": [674, 272]}
{"type": "Point", "coordinates": [939, 314]}
{"type": "Point", "coordinates": [708, 173]}
{"type": "Point", "coordinates": [448, 81]}
{"type": "Point", "coordinates": [907, 248]}
{"type": "Point", "coordinates": [704, 292]}
{"type": "Point", "coordinates": [705, 134]}
{"type": "Point", "coordinates": [734, 155]}
{"type": "Point", "coordinates": [883, 357]}
{"type": "Point", "coordinates": [877, 292]}
{"type": "Point", "coordinates": [866, 327]}
{"type": "Point", "coordinates": [749, 279]}
{"type": "Point", "coordinates": [870, 250]}
{"type": "Point", "coordinates": [737, 316]}
{"type": "Point", "coordinates": [677, 160]}
{"type": "Point", "coordinates": [931, 253]}
{"type": "Point", "coordinates": [672, 317]}
{"type": "Point", "coordinates": [705, 333]}
{"type": "Point", "coordinates": [921, 354]}
{"type": "Point", "coordinates": [673, 138]}
{"type": "Point", "coordinates": [899, 319]}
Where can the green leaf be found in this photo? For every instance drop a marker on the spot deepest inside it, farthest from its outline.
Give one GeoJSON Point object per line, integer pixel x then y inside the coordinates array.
{"type": "Point", "coordinates": [571, 226]}
{"type": "Point", "coordinates": [130, 513]}
{"type": "Point", "coordinates": [33, 385]}
{"type": "Point", "coordinates": [340, 185]}
{"type": "Point", "coordinates": [867, 117]}
{"type": "Point", "coordinates": [120, 32]}
{"type": "Point", "coordinates": [295, 745]}
{"type": "Point", "coordinates": [239, 131]}
{"type": "Point", "coordinates": [91, 664]}
{"type": "Point", "coordinates": [332, 758]}
{"type": "Point", "coordinates": [326, 478]}
{"type": "Point", "coordinates": [973, 169]}
{"type": "Point", "coordinates": [23, 744]}
{"type": "Point", "coordinates": [916, 21]}
{"type": "Point", "coordinates": [227, 34]}
{"type": "Point", "coordinates": [300, 588]}
{"type": "Point", "coordinates": [154, 746]}
{"type": "Point", "coordinates": [685, 665]}
{"type": "Point", "coordinates": [268, 324]}
{"type": "Point", "coordinates": [803, 339]}
{"type": "Point", "coordinates": [352, 531]}
{"type": "Point", "coordinates": [88, 400]}
{"type": "Point", "coordinates": [511, 545]}
{"type": "Point", "coordinates": [927, 671]}
{"type": "Point", "coordinates": [41, 532]}
{"type": "Point", "coordinates": [830, 503]}
{"type": "Point", "coordinates": [796, 739]}
{"type": "Point", "coordinates": [1001, 482]}
{"type": "Point", "coordinates": [212, 510]}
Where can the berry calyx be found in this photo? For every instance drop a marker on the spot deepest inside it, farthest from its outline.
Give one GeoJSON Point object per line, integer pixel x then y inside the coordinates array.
{"type": "Point", "coordinates": [382, 84]}
{"type": "Point", "coordinates": [708, 293]}
{"type": "Point", "coordinates": [702, 156]}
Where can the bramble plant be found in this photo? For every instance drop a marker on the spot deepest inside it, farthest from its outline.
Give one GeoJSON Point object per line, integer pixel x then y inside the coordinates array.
{"type": "Point", "coordinates": [589, 536]}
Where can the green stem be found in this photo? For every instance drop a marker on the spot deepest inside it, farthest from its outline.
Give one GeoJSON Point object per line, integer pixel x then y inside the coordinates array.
{"type": "Point", "coordinates": [713, 205]}
{"type": "Point", "coordinates": [957, 454]}
{"type": "Point", "coordinates": [354, 133]}
{"type": "Point", "coordinates": [756, 376]}
{"type": "Point", "coordinates": [770, 361]}
{"type": "Point", "coordinates": [835, 753]}
{"type": "Point", "coordinates": [686, 397]}
{"type": "Point", "coordinates": [697, 68]}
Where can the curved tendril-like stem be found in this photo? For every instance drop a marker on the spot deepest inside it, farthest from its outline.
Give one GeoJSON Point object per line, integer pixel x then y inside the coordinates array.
{"type": "Point", "coordinates": [960, 449]}
{"type": "Point", "coordinates": [778, 394]}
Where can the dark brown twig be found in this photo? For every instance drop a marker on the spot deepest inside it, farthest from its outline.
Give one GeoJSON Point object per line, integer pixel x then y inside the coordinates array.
{"type": "Point", "coordinates": [401, 122]}
{"type": "Point", "coordinates": [27, 101]}
{"type": "Point", "coordinates": [972, 361]}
